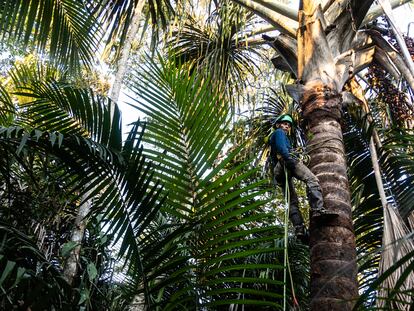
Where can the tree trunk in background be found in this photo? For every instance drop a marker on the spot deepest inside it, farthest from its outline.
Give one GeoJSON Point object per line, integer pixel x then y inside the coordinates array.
{"type": "Point", "coordinates": [125, 52]}
{"type": "Point", "coordinates": [71, 266]}
{"type": "Point", "coordinates": [72, 263]}
{"type": "Point", "coordinates": [332, 243]}
{"type": "Point", "coordinates": [138, 304]}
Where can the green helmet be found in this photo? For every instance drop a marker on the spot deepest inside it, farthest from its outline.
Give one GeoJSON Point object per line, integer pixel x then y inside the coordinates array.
{"type": "Point", "coordinates": [285, 118]}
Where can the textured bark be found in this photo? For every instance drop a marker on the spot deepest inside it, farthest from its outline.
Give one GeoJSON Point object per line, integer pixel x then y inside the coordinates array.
{"type": "Point", "coordinates": [72, 263]}
{"type": "Point", "coordinates": [332, 243]}
{"type": "Point", "coordinates": [125, 52]}
{"type": "Point", "coordinates": [323, 69]}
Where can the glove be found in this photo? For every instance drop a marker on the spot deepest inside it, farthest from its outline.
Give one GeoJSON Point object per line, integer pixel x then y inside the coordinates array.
{"type": "Point", "coordinates": [290, 164]}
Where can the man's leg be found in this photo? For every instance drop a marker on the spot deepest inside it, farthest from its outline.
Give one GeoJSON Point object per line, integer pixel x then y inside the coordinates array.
{"type": "Point", "coordinates": [303, 173]}
{"type": "Point", "coordinates": [295, 215]}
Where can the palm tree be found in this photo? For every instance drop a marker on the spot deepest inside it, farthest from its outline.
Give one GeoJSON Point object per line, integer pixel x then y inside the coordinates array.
{"type": "Point", "coordinates": [218, 45]}
{"type": "Point", "coordinates": [323, 55]}
{"type": "Point", "coordinates": [209, 228]}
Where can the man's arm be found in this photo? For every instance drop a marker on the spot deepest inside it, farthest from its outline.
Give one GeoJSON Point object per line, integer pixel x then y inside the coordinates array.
{"type": "Point", "coordinates": [281, 145]}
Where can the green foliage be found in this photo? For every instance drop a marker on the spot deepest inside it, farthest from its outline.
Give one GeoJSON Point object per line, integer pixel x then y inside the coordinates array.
{"type": "Point", "coordinates": [7, 108]}
{"type": "Point", "coordinates": [49, 104]}
{"type": "Point", "coordinates": [367, 209]}
{"type": "Point", "coordinates": [28, 279]}
{"type": "Point", "coordinates": [210, 248]}
{"type": "Point", "coordinates": [396, 168]}
{"type": "Point", "coordinates": [398, 157]}
{"type": "Point", "coordinates": [117, 17]}
{"type": "Point", "coordinates": [81, 156]}
{"type": "Point", "coordinates": [66, 30]}
{"type": "Point", "coordinates": [185, 207]}
{"type": "Point", "coordinates": [217, 48]}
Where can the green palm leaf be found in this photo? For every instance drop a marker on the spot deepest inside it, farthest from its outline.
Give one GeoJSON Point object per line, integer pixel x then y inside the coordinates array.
{"type": "Point", "coordinates": [65, 29]}
{"type": "Point", "coordinates": [216, 47]}
{"type": "Point", "coordinates": [398, 164]}
{"type": "Point", "coordinates": [7, 108]}
{"type": "Point", "coordinates": [84, 141]}
{"type": "Point", "coordinates": [117, 17]}
{"type": "Point", "coordinates": [25, 267]}
{"type": "Point", "coordinates": [120, 183]}
{"type": "Point", "coordinates": [48, 103]}
{"type": "Point", "coordinates": [207, 255]}
{"type": "Point", "coordinates": [369, 214]}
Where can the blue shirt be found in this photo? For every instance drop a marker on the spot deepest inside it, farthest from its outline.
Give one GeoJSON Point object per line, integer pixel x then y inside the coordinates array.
{"type": "Point", "coordinates": [280, 144]}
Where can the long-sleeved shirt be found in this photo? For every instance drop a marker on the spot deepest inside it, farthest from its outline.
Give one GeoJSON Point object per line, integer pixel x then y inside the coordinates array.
{"type": "Point", "coordinates": [280, 145]}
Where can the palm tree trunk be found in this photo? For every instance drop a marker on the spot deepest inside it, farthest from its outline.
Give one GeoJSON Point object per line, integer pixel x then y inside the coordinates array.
{"type": "Point", "coordinates": [72, 263]}
{"type": "Point", "coordinates": [332, 242]}
{"type": "Point", "coordinates": [125, 52]}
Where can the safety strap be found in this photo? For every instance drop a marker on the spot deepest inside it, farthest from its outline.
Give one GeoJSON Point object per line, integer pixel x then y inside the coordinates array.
{"type": "Point", "coordinates": [300, 154]}
{"type": "Point", "coordinates": [286, 263]}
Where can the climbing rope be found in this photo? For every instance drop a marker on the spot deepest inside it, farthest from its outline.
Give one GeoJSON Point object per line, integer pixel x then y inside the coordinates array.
{"type": "Point", "coordinates": [285, 253]}
{"type": "Point", "coordinates": [286, 263]}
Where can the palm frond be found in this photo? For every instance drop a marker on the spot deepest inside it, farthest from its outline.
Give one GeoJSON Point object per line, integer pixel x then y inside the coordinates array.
{"type": "Point", "coordinates": [381, 238]}
{"type": "Point", "coordinates": [204, 256]}
{"type": "Point", "coordinates": [367, 208]}
{"type": "Point", "coordinates": [48, 104]}
{"type": "Point", "coordinates": [397, 246]}
{"type": "Point", "coordinates": [7, 108]}
{"type": "Point", "coordinates": [85, 138]}
{"type": "Point", "coordinates": [398, 164]}
{"type": "Point", "coordinates": [117, 16]}
{"type": "Point", "coordinates": [24, 268]}
{"type": "Point", "coordinates": [65, 29]}
{"type": "Point", "coordinates": [216, 48]}
{"type": "Point", "coordinates": [376, 283]}
{"type": "Point", "coordinates": [121, 184]}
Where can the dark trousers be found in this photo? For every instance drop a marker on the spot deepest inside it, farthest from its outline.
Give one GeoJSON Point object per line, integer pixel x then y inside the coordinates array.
{"type": "Point", "coordinates": [313, 188]}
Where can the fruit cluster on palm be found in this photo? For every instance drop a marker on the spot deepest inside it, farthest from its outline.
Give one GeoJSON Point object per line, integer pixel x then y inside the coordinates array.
{"type": "Point", "coordinates": [174, 214]}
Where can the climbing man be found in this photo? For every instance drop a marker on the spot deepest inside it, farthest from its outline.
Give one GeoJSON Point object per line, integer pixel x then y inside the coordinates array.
{"type": "Point", "coordinates": [283, 159]}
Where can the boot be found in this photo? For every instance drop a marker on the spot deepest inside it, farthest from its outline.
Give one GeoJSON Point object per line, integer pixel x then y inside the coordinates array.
{"type": "Point", "coordinates": [316, 204]}
{"type": "Point", "coordinates": [302, 234]}
{"type": "Point", "coordinates": [323, 213]}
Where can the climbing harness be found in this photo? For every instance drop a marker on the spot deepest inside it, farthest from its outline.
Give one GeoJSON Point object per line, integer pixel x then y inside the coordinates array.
{"type": "Point", "coordinates": [300, 154]}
